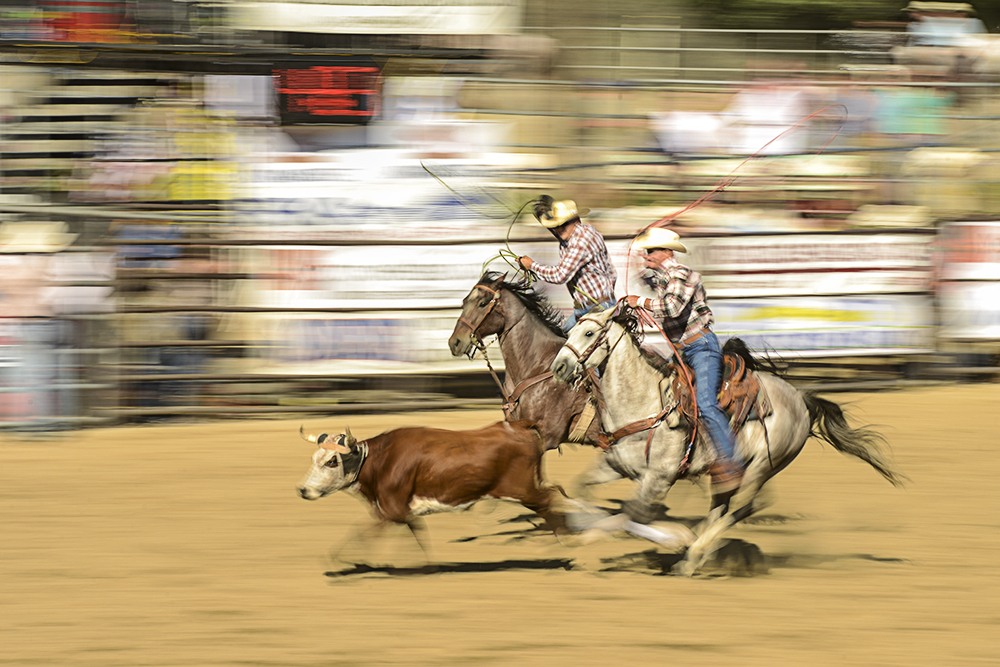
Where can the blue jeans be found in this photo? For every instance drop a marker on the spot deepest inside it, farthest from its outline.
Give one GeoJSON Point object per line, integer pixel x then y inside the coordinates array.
{"type": "Point", "coordinates": [580, 312]}
{"type": "Point", "coordinates": [704, 356]}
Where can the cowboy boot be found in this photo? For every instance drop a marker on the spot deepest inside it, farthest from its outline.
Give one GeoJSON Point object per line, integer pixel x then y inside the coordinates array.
{"type": "Point", "coordinates": [726, 476]}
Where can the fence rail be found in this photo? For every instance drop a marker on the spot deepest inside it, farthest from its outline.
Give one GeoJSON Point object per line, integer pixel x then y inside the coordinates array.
{"type": "Point", "coordinates": [153, 354]}
{"type": "Point", "coordinates": [100, 374]}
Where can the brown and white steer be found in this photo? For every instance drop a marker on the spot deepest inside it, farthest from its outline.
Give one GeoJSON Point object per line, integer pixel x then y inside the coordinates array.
{"type": "Point", "coordinates": [412, 471]}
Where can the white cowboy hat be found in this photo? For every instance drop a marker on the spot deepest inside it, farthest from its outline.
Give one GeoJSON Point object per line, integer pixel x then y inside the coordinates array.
{"type": "Point", "coordinates": [658, 237]}
{"type": "Point", "coordinates": [562, 212]}
{"type": "Point", "coordinates": [26, 237]}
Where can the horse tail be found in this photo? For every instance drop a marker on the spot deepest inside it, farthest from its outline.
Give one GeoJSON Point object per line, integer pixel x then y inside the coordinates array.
{"type": "Point", "coordinates": [827, 422]}
{"type": "Point", "coordinates": [763, 362]}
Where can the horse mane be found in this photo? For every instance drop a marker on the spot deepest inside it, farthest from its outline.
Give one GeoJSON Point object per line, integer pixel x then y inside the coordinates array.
{"type": "Point", "coordinates": [535, 302]}
{"type": "Point", "coordinates": [627, 319]}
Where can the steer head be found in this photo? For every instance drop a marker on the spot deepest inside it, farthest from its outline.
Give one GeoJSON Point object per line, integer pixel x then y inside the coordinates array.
{"type": "Point", "coordinates": [335, 464]}
{"type": "Point", "coordinates": [585, 347]}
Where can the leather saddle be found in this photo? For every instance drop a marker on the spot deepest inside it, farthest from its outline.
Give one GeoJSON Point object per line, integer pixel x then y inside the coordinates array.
{"type": "Point", "coordinates": [742, 396]}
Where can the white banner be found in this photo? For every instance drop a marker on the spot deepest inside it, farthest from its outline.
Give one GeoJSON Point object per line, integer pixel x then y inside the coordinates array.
{"type": "Point", "coordinates": [462, 17]}
{"type": "Point", "coordinates": [817, 295]}
{"type": "Point", "coordinates": [830, 326]}
{"type": "Point", "coordinates": [969, 291]}
{"type": "Point", "coordinates": [804, 265]}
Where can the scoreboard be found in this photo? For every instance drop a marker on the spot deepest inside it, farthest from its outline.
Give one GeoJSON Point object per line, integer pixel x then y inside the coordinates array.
{"type": "Point", "coordinates": [328, 93]}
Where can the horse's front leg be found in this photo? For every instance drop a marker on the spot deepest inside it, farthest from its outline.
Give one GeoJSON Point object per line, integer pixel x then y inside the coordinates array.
{"type": "Point", "coordinates": [720, 519]}
{"type": "Point", "coordinates": [599, 472]}
{"type": "Point", "coordinates": [653, 486]}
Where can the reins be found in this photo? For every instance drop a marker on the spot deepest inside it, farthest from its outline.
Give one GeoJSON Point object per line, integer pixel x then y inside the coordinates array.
{"type": "Point", "coordinates": [686, 374]}
{"type": "Point", "coordinates": [510, 401]}
{"type": "Point", "coordinates": [649, 423]}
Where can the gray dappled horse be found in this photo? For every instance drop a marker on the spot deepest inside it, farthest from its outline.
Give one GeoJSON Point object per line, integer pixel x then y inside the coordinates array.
{"type": "Point", "coordinates": [530, 336]}
{"type": "Point", "coordinates": [631, 382]}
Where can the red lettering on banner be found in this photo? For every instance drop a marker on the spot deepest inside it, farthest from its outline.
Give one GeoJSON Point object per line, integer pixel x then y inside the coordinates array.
{"type": "Point", "coordinates": [973, 244]}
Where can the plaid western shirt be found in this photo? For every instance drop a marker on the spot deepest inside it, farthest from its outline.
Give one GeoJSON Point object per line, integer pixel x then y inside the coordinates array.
{"type": "Point", "coordinates": [680, 304]}
{"type": "Point", "coordinates": [585, 266]}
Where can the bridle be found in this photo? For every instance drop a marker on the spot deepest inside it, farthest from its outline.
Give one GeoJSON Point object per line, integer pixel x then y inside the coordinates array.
{"type": "Point", "coordinates": [602, 339]}
{"type": "Point", "coordinates": [509, 400]}
{"type": "Point", "coordinates": [607, 440]}
{"type": "Point", "coordinates": [486, 313]}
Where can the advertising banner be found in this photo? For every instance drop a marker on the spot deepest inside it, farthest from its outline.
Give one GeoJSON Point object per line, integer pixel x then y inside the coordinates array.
{"type": "Point", "coordinates": [806, 296]}
{"type": "Point", "coordinates": [406, 17]}
{"type": "Point", "coordinates": [830, 325]}
{"type": "Point", "coordinates": [814, 295]}
{"type": "Point", "coordinates": [811, 264]}
{"type": "Point", "coordinates": [969, 287]}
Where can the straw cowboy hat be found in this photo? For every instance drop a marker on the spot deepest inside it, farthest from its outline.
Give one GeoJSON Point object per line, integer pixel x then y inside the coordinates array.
{"type": "Point", "coordinates": [658, 237]}
{"type": "Point", "coordinates": [561, 213]}
{"type": "Point", "coordinates": [34, 237]}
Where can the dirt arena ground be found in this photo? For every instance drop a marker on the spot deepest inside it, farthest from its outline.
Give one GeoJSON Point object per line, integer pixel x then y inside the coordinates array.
{"type": "Point", "coordinates": [187, 545]}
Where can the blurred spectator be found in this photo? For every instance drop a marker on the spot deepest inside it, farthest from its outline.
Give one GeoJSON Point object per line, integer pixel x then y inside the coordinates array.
{"type": "Point", "coordinates": [175, 279]}
{"type": "Point", "coordinates": [35, 354]}
{"type": "Point", "coordinates": [944, 41]}
{"type": "Point", "coordinates": [914, 116]}
{"type": "Point", "coordinates": [765, 117]}
{"type": "Point", "coordinates": [941, 23]}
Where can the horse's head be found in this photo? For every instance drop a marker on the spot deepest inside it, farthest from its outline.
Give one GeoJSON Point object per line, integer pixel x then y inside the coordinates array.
{"type": "Point", "coordinates": [586, 347]}
{"type": "Point", "coordinates": [481, 316]}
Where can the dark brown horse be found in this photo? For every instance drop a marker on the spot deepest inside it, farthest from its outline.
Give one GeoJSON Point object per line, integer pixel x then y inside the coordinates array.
{"type": "Point", "coordinates": [530, 336]}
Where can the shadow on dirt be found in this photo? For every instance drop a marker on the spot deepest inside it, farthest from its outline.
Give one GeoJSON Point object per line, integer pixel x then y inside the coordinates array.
{"type": "Point", "coordinates": [815, 561]}
{"type": "Point", "coordinates": [451, 568]}
{"type": "Point", "coordinates": [734, 558]}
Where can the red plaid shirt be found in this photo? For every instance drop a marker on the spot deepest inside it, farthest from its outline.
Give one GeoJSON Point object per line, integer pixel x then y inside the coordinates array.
{"type": "Point", "coordinates": [585, 266]}
{"type": "Point", "coordinates": [680, 304]}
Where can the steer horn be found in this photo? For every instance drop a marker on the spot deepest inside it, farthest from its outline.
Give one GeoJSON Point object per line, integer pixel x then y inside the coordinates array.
{"type": "Point", "coordinates": [318, 439]}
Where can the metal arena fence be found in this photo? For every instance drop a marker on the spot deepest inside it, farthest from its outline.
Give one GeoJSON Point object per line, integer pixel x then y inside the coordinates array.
{"type": "Point", "coordinates": [209, 279]}
{"type": "Point", "coordinates": [178, 341]}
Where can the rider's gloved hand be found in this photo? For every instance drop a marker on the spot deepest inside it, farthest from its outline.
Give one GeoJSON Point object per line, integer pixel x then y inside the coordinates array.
{"type": "Point", "coordinates": [632, 301]}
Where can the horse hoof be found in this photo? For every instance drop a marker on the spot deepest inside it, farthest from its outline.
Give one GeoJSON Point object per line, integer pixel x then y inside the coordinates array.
{"type": "Point", "coordinates": [674, 537]}
{"type": "Point", "coordinates": [685, 568]}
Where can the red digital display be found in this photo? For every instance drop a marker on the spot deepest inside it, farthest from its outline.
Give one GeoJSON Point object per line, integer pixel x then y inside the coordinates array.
{"type": "Point", "coordinates": [313, 94]}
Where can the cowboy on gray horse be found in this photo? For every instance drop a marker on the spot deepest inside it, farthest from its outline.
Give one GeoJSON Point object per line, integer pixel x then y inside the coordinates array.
{"type": "Point", "coordinates": [681, 309]}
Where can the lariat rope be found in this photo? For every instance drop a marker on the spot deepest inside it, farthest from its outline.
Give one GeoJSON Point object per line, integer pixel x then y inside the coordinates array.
{"type": "Point", "coordinates": [646, 319]}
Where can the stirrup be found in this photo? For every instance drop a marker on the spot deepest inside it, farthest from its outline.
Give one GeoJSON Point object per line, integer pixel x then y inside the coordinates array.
{"type": "Point", "coordinates": [725, 476]}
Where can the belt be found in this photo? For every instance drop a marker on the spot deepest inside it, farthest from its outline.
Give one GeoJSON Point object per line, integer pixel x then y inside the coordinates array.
{"type": "Point", "coordinates": [698, 335]}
